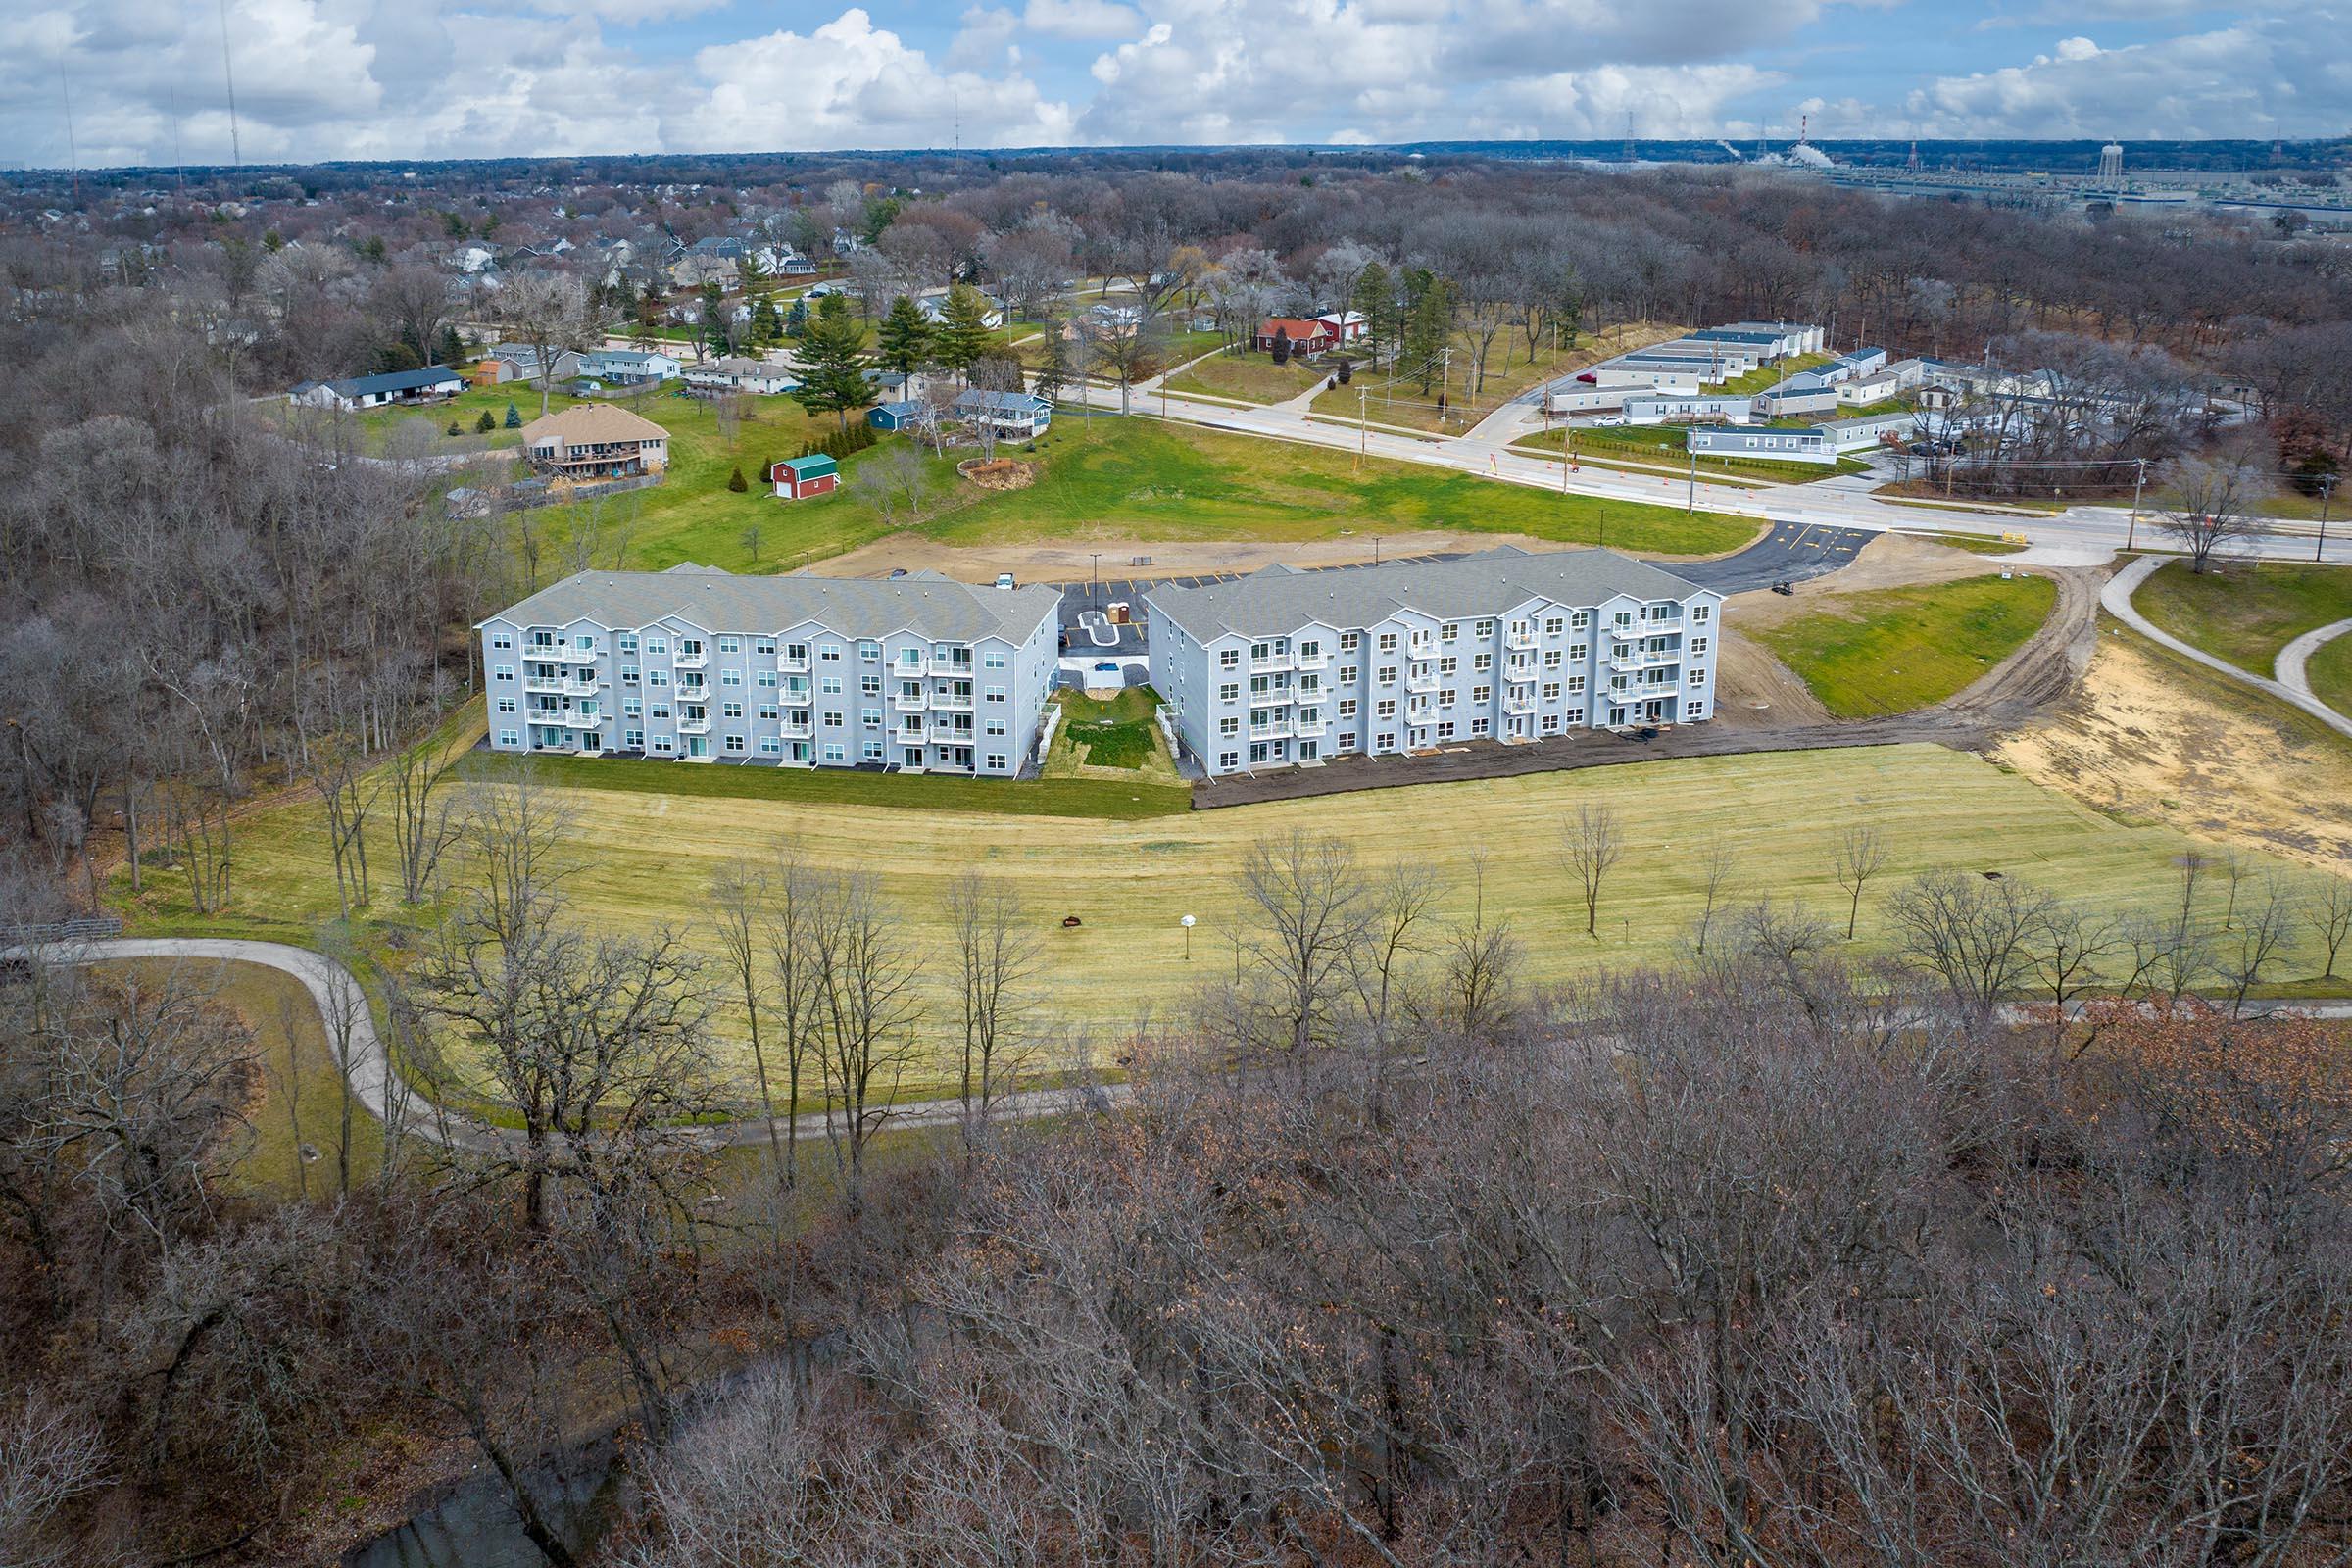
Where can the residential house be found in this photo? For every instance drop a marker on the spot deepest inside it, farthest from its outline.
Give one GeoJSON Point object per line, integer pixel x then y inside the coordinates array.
{"type": "Point", "coordinates": [765, 377]}
{"type": "Point", "coordinates": [915, 673]}
{"type": "Point", "coordinates": [933, 309]}
{"type": "Point", "coordinates": [1792, 338]}
{"type": "Point", "coordinates": [1800, 394]}
{"type": "Point", "coordinates": [1575, 397]}
{"type": "Point", "coordinates": [428, 385]}
{"type": "Point", "coordinates": [1283, 666]}
{"type": "Point", "coordinates": [1659, 408]}
{"type": "Point", "coordinates": [596, 441]}
{"type": "Point", "coordinates": [1308, 335]}
{"type": "Point", "coordinates": [1345, 326]}
{"type": "Point", "coordinates": [631, 367]}
{"type": "Point", "coordinates": [1013, 416]}
{"type": "Point", "coordinates": [1769, 444]}
{"type": "Point", "coordinates": [1871, 430]}
{"type": "Point", "coordinates": [1677, 377]}
{"type": "Point", "coordinates": [502, 363]}
{"type": "Point", "coordinates": [900, 415]}
{"type": "Point", "coordinates": [799, 479]}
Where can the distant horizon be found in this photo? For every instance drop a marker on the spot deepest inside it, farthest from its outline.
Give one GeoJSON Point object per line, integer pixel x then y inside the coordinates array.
{"type": "Point", "coordinates": [161, 83]}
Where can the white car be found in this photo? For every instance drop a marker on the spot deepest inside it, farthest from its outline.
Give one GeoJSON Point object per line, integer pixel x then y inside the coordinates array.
{"type": "Point", "coordinates": [1609, 422]}
{"type": "Point", "coordinates": [1005, 579]}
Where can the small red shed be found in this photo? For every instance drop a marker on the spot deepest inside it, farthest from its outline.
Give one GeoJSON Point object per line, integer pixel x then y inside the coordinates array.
{"type": "Point", "coordinates": [799, 479]}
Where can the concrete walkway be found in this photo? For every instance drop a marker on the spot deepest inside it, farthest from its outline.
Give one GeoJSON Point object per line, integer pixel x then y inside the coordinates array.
{"type": "Point", "coordinates": [340, 998]}
{"type": "Point", "coordinates": [2297, 653]}
{"type": "Point", "coordinates": [2116, 599]}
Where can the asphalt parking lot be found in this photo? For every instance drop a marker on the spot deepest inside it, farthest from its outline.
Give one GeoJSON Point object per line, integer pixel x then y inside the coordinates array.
{"type": "Point", "coordinates": [1790, 553]}
{"type": "Point", "coordinates": [1084, 594]}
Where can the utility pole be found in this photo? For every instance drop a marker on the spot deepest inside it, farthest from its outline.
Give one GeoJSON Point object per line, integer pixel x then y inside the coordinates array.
{"type": "Point", "coordinates": [1691, 496]}
{"type": "Point", "coordinates": [1364, 426]}
{"type": "Point", "coordinates": [2326, 493]}
{"type": "Point", "coordinates": [2139, 478]}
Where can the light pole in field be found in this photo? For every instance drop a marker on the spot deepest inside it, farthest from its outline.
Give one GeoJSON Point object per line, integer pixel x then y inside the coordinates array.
{"type": "Point", "coordinates": [1187, 924]}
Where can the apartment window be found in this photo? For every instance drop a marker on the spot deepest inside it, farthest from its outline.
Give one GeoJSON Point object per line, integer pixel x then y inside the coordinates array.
{"type": "Point", "coordinates": [1698, 645]}
{"type": "Point", "coordinates": [1388, 642]}
{"type": "Point", "coordinates": [629, 676]}
{"type": "Point", "coordinates": [1478, 726]}
{"type": "Point", "coordinates": [664, 744]}
{"type": "Point", "coordinates": [503, 672]}
{"type": "Point", "coordinates": [506, 704]}
{"type": "Point", "coordinates": [871, 717]}
{"type": "Point", "coordinates": [771, 745]}
{"type": "Point", "coordinates": [1229, 725]}
{"type": "Point", "coordinates": [1622, 619]}
{"type": "Point", "coordinates": [625, 643]}
{"type": "Point", "coordinates": [1227, 761]}
{"type": "Point", "coordinates": [1576, 683]}
{"type": "Point", "coordinates": [730, 709]}
{"type": "Point", "coordinates": [1482, 695]}
{"type": "Point", "coordinates": [1310, 650]}
{"type": "Point", "coordinates": [993, 660]}
{"type": "Point", "coordinates": [1479, 664]}
{"type": "Point", "coordinates": [1348, 642]}
{"type": "Point", "coordinates": [734, 743]}
{"type": "Point", "coordinates": [1694, 711]}
{"type": "Point", "coordinates": [1446, 730]}
{"type": "Point", "coordinates": [1388, 674]}
{"type": "Point", "coordinates": [1229, 659]}
{"type": "Point", "coordinates": [832, 718]}
{"type": "Point", "coordinates": [1387, 741]}
{"type": "Point", "coordinates": [769, 715]}
{"type": "Point", "coordinates": [871, 686]}
{"type": "Point", "coordinates": [995, 727]}
{"type": "Point", "coordinates": [1346, 708]}
{"type": "Point", "coordinates": [1451, 632]}
{"type": "Point", "coordinates": [997, 761]}
{"type": "Point", "coordinates": [1346, 740]}
{"type": "Point", "coordinates": [834, 752]}
{"type": "Point", "coordinates": [501, 640]}
{"type": "Point", "coordinates": [657, 645]}
{"type": "Point", "coordinates": [1552, 723]}
{"type": "Point", "coordinates": [510, 737]}
{"type": "Point", "coordinates": [830, 685]}
{"type": "Point", "coordinates": [1580, 652]}
{"type": "Point", "coordinates": [1447, 666]}
{"type": "Point", "coordinates": [1579, 620]}
{"type": "Point", "coordinates": [797, 653]}
{"type": "Point", "coordinates": [1484, 630]}
{"type": "Point", "coordinates": [585, 642]}
{"type": "Point", "coordinates": [763, 645]}
{"type": "Point", "coordinates": [1347, 674]}
{"type": "Point", "coordinates": [767, 678]}
{"type": "Point", "coordinates": [872, 752]}
{"type": "Point", "coordinates": [996, 694]}
{"type": "Point", "coordinates": [1698, 677]}
{"type": "Point", "coordinates": [1385, 708]}
{"type": "Point", "coordinates": [1552, 625]}
{"type": "Point", "coordinates": [660, 710]}
{"type": "Point", "coordinates": [730, 677]}
{"type": "Point", "coordinates": [829, 651]}
{"type": "Point", "coordinates": [869, 650]}
{"type": "Point", "coordinates": [1449, 697]}
{"type": "Point", "coordinates": [632, 740]}
{"type": "Point", "coordinates": [730, 645]}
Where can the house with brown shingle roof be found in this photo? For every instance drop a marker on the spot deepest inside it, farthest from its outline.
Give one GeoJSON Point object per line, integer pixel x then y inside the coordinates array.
{"type": "Point", "coordinates": [596, 441]}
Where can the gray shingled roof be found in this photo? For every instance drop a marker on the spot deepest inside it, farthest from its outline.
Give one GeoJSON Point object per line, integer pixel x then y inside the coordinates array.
{"type": "Point", "coordinates": [1278, 599]}
{"type": "Point", "coordinates": [924, 602]}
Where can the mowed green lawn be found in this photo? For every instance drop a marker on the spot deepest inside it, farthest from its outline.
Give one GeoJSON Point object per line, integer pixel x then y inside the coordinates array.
{"type": "Point", "coordinates": [2331, 673]}
{"type": "Point", "coordinates": [1250, 377]}
{"type": "Point", "coordinates": [1897, 649]}
{"type": "Point", "coordinates": [2245, 612]}
{"type": "Point", "coordinates": [644, 859]}
{"type": "Point", "coordinates": [1667, 447]}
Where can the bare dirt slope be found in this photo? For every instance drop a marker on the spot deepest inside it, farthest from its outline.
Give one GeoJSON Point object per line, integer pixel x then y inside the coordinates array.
{"type": "Point", "coordinates": [1071, 563]}
{"type": "Point", "coordinates": [2158, 739]}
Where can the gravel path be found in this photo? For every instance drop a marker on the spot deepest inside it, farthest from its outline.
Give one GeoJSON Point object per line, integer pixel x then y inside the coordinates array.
{"type": "Point", "coordinates": [2296, 655]}
{"type": "Point", "coordinates": [2116, 599]}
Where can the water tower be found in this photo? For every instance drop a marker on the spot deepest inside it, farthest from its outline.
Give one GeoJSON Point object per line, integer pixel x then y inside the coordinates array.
{"type": "Point", "coordinates": [2111, 163]}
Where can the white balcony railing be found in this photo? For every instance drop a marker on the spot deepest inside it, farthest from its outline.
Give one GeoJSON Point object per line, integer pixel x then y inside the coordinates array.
{"type": "Point", "coordinates": [694, 726]}
{"type": "Point", "coordinates": [951, 703]}
{"type": "Point", "coordinates": [908, 737]}
{"type": "Point", "coordinates": [1272, 661]}
{"type": "Point", "coordinates": [960, 668]}
{"type": "Point", "coordinates": [577, 720]}
{"type": "Point", "coordinates": [1271, 732]}
{"type": "Point", "coordinates": [550, 684]}
{"type": "Point", "coordinates": [1519, 639]}
{"type": "Point", "coordinates": [1416, 681]}
{"type": "Point", "coordinates": [700, 659]}
{"type": "Point", "coordinates": [579, 655]}
{"type": "Point", "coordinates": [1519, 705]}
{"type": "Point", "coordinates": [1309, 728]}
{"type": "Point", "coordinates": [1274, 697]}
{"type": "Point", "coordinates": [910, 701]}
{"type": "Point", "coordinates": [1316, 661]}
{"type": "Point", "coordinates": [793, 663]}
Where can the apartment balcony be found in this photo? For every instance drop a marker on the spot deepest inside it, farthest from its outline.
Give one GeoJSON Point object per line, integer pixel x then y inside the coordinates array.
{"type": "Point", "coordinates": [792, 664]}
{"type": "Point", "coordinates": [553, 746]}
{"type": "Point", "coordinates": [1519, 639]}
{"type": "Point", "coordinates": [905, 736]}
{"type": "Point", "coordinates": [1306, 729]}
{"type": "Point", "coordinates": [695, 660]}
{"type": "Point", "coordinates": [1279, 696]}
{"type": "Point", "coordinates": [795, 729]}
{"type": "Point", "coordinates": [910, 701]}
{"type": "Point", "coordinates": [1271, 732]}
{"type": "Point", "coordinates": [578, 656]}
{"type": "Point", "coordinates": [694, 726]}
{"type": "Point", "coordinates": [552, 685]}
{"type": "Point", "coordinates": [576, 720]}
{"type": "Point", "coordinates": [1634, 658]}
{"type": "Point", "coordinates": [947, 704]}
{"type": "Point", "coordinates": [1416, 681]}
{"type": "Point", "coordinates": [956, 668]}
{"type": "Point", "coordinates": [1272, 661]}
{"type": "Point", "coordinates": [1519, 705]}
{"type": "Point", "coordinates": [1310, 660]}
{"type": "Point", "coordinates": [580, 686]}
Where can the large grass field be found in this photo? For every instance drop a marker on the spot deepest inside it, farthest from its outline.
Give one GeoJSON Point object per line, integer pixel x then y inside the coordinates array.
{"type": "Point", "coordinates": [1897, 649]}
{"type": "Point", "coordinates": [645, 857]}
{"type": "Point", "coordinates": [2245, 612]}
{"type": "Point", "coordinates": [1250, 377]}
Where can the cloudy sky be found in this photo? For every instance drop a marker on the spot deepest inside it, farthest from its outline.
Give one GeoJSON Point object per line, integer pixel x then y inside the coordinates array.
{"type": "Point", "coordinates": [400, 79]}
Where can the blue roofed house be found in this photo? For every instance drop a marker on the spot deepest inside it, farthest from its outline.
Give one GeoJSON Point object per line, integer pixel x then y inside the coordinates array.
{"type": "Point", "coordinates": [1013, 416]}
{"type": "Point", "coordinates": [428, 385]}
{"type": "Point", "coordinates": [899, 415]}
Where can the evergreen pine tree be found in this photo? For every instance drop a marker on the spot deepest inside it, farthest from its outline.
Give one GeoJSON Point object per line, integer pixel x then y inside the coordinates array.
{"type": "Point", "coordinates": [1376, 302]}
{"type": "Point", "coordinates": [486, 423]}
{"type": "Point", "coordinates": [451, 348]}
{"type": "Point", "coordinates": [904, 336]}
{"type": "Point", "coordinates": [514, 418]}
{"type": "Point", "coordinates": [796, 319]}
{"type": "Point", "coordinates": [1055, 373]}
{"type": "Point", "coordinates": [832, 379]}
{"type": "Point", "coordinates": [962, 334]}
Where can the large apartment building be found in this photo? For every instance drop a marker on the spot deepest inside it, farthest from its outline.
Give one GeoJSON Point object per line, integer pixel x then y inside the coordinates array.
{"type": "Point", "coordinates": [915, 673]}
{"type": "Point", "coordinates": [1285, 667]}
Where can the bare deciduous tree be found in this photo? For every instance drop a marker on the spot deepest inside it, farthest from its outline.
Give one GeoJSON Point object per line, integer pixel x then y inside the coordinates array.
{"type": "Point", "coordinates": [995, 956]}
{"type": "Point", "coordinates": [1860, 856]}
{"type": "Point", "coordinates": [1591, 844]}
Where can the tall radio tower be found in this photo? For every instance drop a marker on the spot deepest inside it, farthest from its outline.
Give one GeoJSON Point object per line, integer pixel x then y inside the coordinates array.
{"type": "Point", "coordinates": [1629, 135]}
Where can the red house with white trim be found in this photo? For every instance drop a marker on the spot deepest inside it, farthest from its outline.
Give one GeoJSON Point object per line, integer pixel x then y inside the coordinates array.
{"type": "Point", "coordinates": [1308, 335]}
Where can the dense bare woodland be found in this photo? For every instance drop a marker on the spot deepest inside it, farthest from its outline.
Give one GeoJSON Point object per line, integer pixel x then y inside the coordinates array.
{"type": "Point", "coordinates": [1785, 1257]}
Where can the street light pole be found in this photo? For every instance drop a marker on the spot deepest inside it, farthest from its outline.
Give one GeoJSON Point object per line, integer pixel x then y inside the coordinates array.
{"type": "Point", "coordinates": [1094, 593]}
{"type": "Point", "coordinates": [1691, 496]}
{"type": "Point", "coordinates": [1187, 924]}
{"type": "Point", "coordinates": [2138, 478]}
{"type": "Point", "coordinates": [2326, 493]}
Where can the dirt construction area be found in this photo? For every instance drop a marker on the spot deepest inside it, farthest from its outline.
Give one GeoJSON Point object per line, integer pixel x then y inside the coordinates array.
{"type": "Point", "coordinates": [1128, 558]}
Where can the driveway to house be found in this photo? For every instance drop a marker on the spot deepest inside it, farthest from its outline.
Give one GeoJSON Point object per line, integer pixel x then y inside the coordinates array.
{"type": "Point", "coordinates": [337, 994]}
{"type": "Point", "coordinates": [2296, 655]}
{"type": "Point", "coordinates": [2116, 599]}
